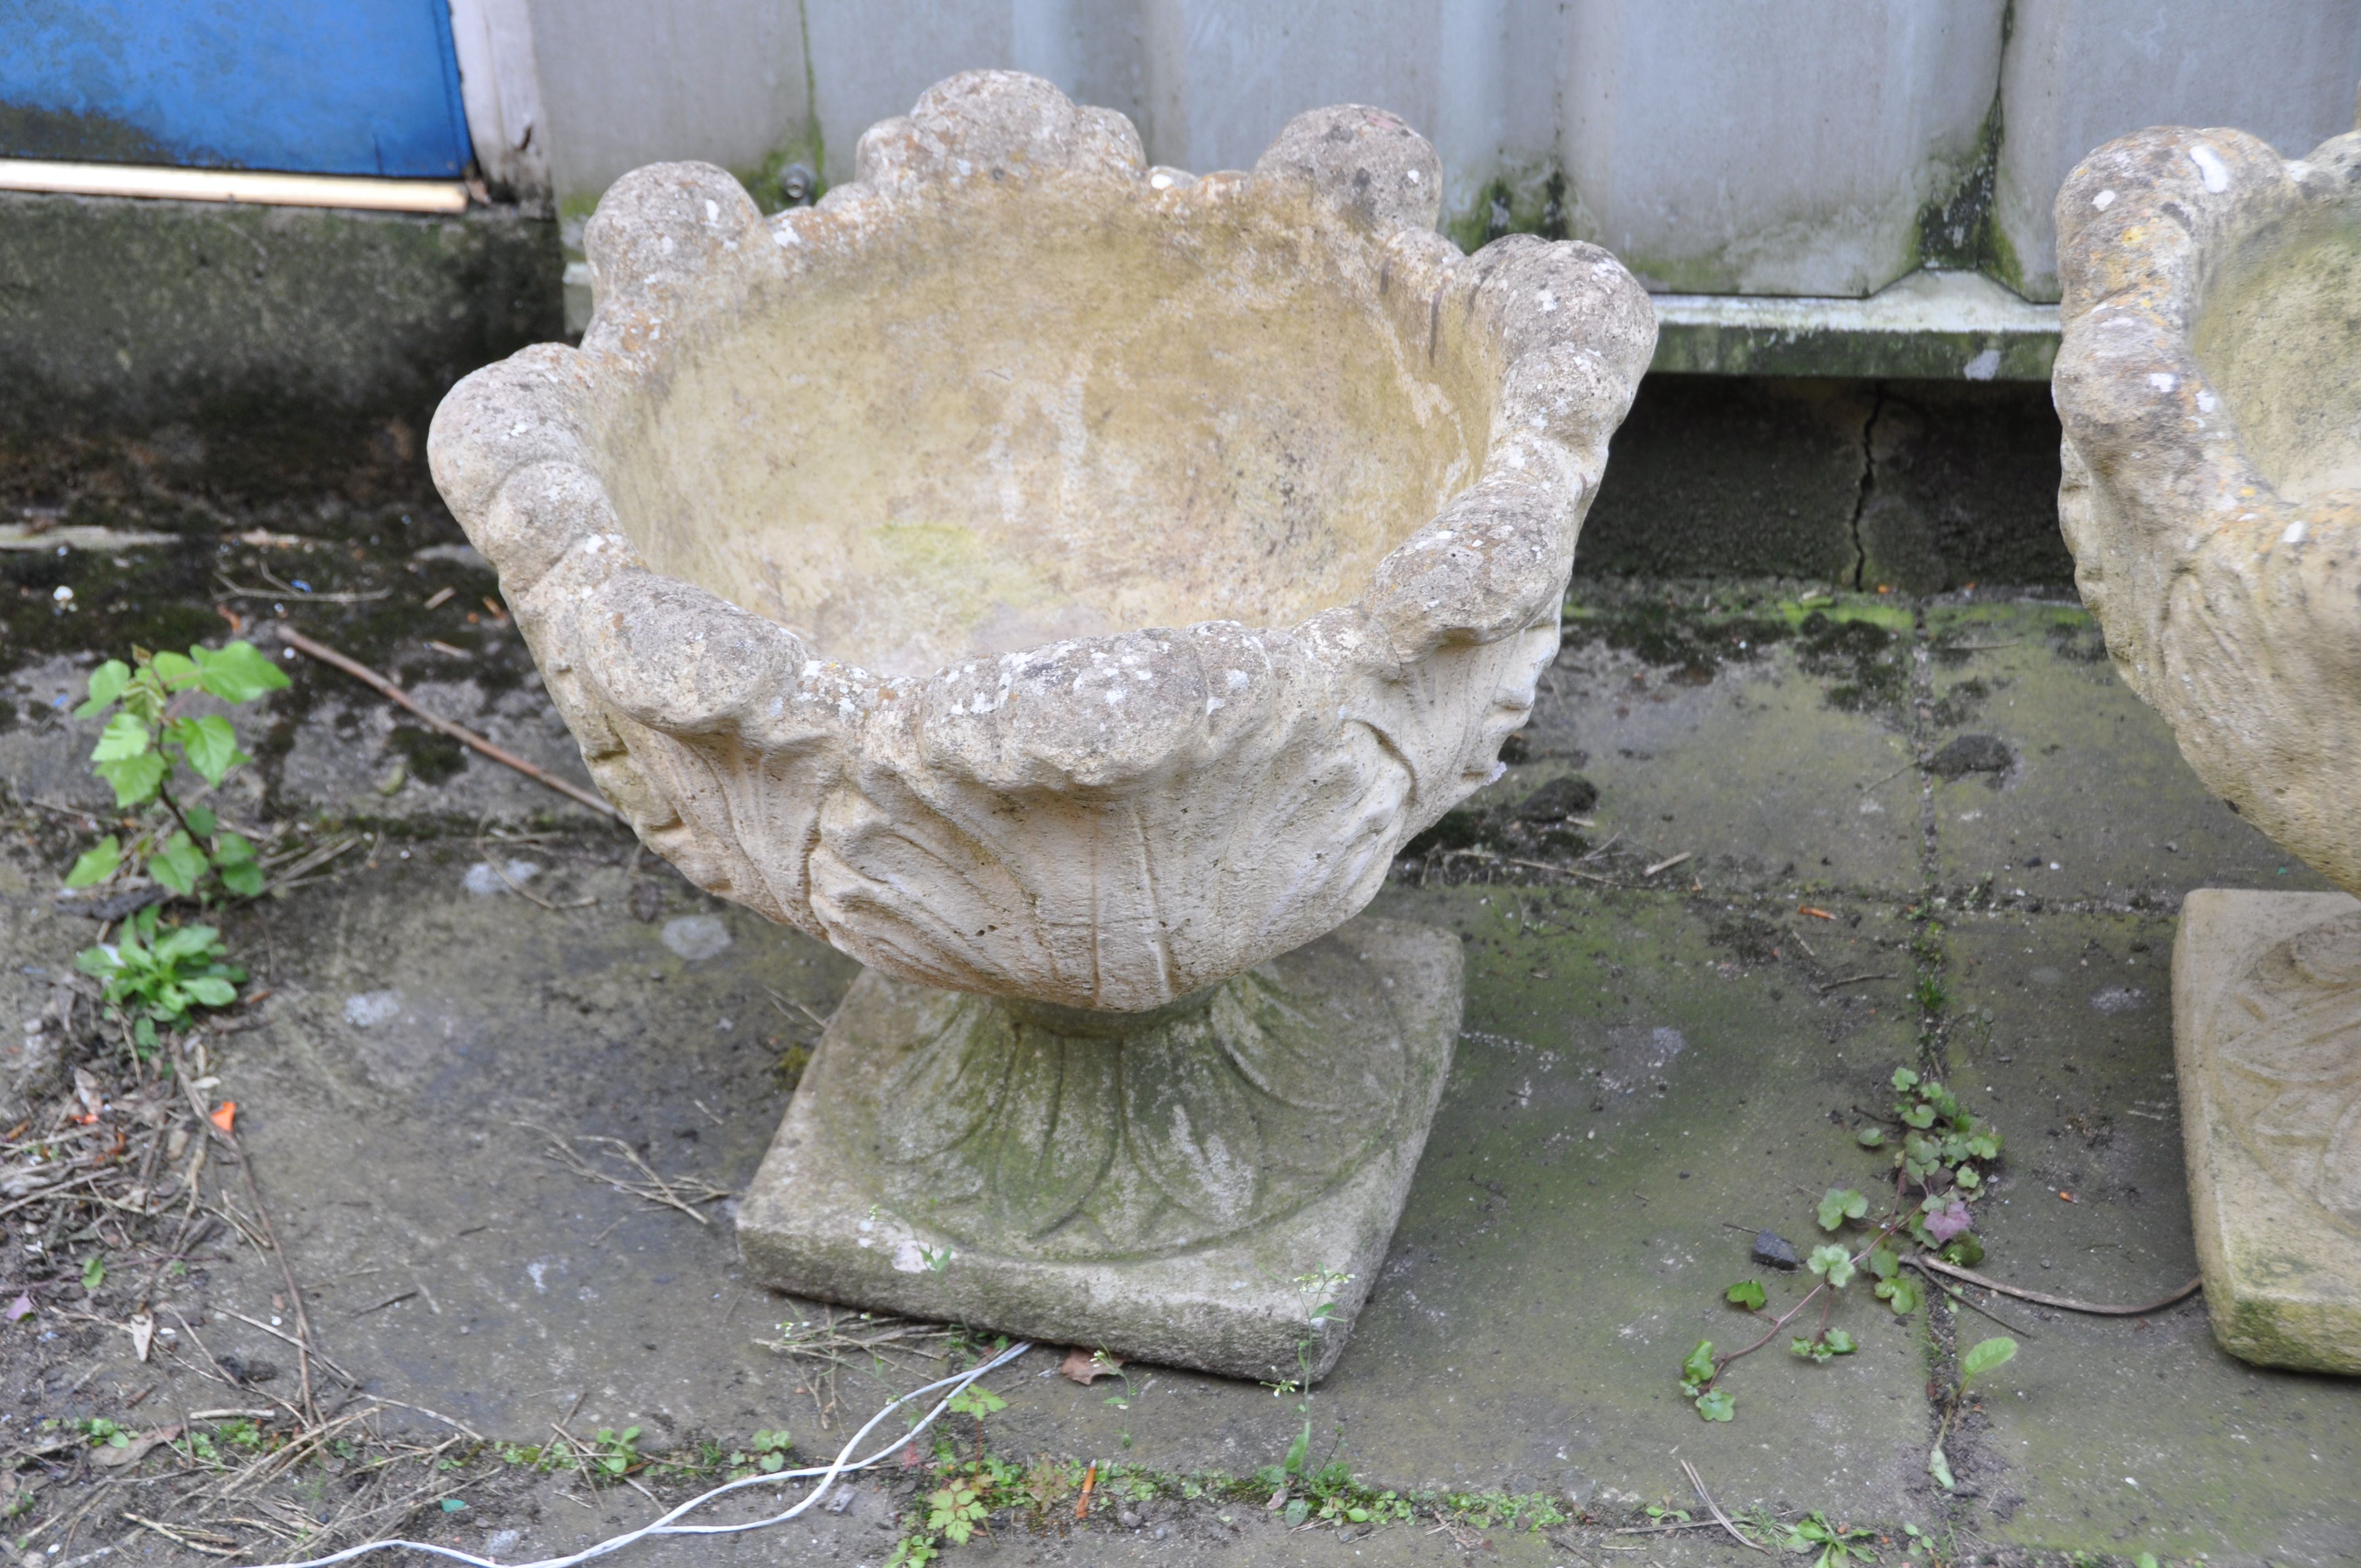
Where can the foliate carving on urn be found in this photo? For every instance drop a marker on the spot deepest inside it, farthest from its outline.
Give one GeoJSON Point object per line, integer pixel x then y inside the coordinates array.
{"type": "Point", "coordinates": [2286, 1065]}
{"type": "Point", "coordinates": [2209, 381]}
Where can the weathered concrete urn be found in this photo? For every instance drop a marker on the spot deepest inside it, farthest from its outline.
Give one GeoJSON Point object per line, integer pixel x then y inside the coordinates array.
{"type": "Point", "coordinates": [1064, 586]}
{"type": "Point", "coordinates": [2210, 386]}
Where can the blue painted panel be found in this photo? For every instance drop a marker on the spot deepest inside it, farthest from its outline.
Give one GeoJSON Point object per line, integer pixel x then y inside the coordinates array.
{"type": "Point", "coordinates": [315, 86]}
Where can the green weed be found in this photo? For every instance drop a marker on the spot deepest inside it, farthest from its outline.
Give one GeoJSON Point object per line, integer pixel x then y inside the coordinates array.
{"type": "Point", "coordinates": [182, 845]}
{"type": "Point", "coordinates": [1942, 1153]}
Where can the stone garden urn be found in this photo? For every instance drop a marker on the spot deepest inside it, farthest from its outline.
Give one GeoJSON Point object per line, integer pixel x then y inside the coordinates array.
{"type": "Point", "coordinates": [2210, 386]}
{"type": "Point", "coordinates": [1063, 585]}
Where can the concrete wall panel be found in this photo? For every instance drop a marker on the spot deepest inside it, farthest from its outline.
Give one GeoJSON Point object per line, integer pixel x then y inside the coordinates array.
{"type": "Point", "coordinates": [1748, 147]}
{"type": "Point", "coordinates": [2080, 73]}
{"type": "Point", "coordinates": [1745, 147]}
{"type": "Point", "coordinates": [624, 83]}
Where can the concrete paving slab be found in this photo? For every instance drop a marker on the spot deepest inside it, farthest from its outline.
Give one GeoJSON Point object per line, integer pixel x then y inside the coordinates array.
{"type": "Point", "coordinates": [1526, 1328]}
{"type": "Point", "coordinates": [1638, 1068]}
{"type": "Point", "coordinates": [1629, 1081]}
{"type": "Point", "coordinates": [2094, 785]}
{"type": "Point", "coordinates": [2116, 1435]}
{"type": "Point", "coordinates": [1762, 761]}
{"type": "Point", "coordinates": [426, 1024]}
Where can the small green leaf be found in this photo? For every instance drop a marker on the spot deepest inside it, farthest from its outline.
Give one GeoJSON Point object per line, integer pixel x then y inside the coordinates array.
{"type": "Point", "coordinates": [1717, 1406]}
{"type": "Point", "coordinates": [96, 863]}
{"type": "Point", "coordinates": [1985, 1355]}
{"type": "Point", "coordinates": [1832, 1264]}
{"type": "Point", "coordinates": [1800, 1346]}
{"type": "Point", "coordinates": [2145, 1560]}
{"type": "Point", "coordinates": [1838, 1343]}
{"type": "Point", "coordinates": [202, 822]}
{"type": "Point", "coordinates": [1921, 1115]}
{"type": "Point", "coordinates": [210, 744]}
{"type": "Point", "coordinates": [176, 673]}
{"type": "Point", "coordinates": [1883, 1262]}
{"type": "Point", "coordinates": [94, 1272]}
{"type": "Point", "coordinates": [106, 684]}
{"type": "Point", "coordinates": [179, 865]}
{"type": "Point", "coordinates": [182, 942]}
{"type": "Point", "coordinates": [1966, 1176]}
{"type": "Point", "coordinates": [241, 877]}
{"type": "Point", "coordinates": [1839, 1204]}
{"type": "Point", "coordinates": [1966, 1250]}
{"type": "Point", "coordinates": [135, 779]}
{"type": "Point", "coordinates": [1904, 1079]}
{"type": "Point", "coordinates": [124, 736]}
{"type": "Point", "coordinates": [1902, 1293]}
{"type": "Point", "coordinates": [1941, 1468]}
{"type": "Point", "coordinates": [211, 991]}
{"type": "Point", "coordinates": [237, 674]}
{"type": "Point", "coordinates": [1870, 1138]}
{"type": "Point", "coordinates": [1746, 1293]}
{"type": "Point", "coordinates": [1699, 1367]}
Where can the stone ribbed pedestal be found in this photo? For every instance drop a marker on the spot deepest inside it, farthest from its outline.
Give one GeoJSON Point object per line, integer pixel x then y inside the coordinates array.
{"type": "Point", "coordinates": [1172, 1186]}
{"type": "Point", "coordinates": [2267, 1021]}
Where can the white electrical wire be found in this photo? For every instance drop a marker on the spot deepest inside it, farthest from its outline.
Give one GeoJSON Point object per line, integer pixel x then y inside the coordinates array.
{"type": "Point", "coordinates": [665, 1525]}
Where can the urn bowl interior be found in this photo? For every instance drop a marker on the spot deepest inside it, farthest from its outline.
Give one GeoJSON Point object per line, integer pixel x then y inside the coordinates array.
{"type": "Point", "coordinates": [2279, 336]}
{"type": "Point", "coordinates": [1004, 416]}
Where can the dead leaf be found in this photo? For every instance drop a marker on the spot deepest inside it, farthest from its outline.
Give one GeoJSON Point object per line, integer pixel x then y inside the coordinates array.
{"type": "Point", "coordinates": [21, 1307]}
{"type": "Point", "coordinates": [1087, 1367]}
{"type": "Point", "coordinates": [225, 1116]}
{"type": "Point", "coordinates": [90, 1091]}
{"type": "Point", "coordinates": [117, 1458]}
{"type": "Point", "coordinates": [143, 1332]}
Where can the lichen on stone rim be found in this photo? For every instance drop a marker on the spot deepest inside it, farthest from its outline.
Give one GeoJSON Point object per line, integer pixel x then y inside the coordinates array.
{"type": "Point", "coordinates": [1103, 821]}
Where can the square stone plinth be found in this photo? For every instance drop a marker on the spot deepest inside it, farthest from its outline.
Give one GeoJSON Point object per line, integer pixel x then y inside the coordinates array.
{"type": "Point", "coordinates": [1189, 1193]}
{"type": "Point", "coordinates": [2267, 1024]}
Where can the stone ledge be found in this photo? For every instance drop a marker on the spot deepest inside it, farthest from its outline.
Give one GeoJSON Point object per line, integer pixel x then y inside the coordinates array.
{"type": "Point", "coordinates": [1929, 326]}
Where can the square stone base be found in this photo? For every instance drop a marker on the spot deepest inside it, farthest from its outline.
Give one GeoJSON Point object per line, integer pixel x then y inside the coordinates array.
{"type": "Point", "coordinates": [2267, 1027]}
{"type": "Point", "coordinates": [1232, 1298]}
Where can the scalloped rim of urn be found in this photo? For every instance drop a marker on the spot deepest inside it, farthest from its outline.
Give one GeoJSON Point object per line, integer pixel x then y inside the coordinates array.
{"type": "Point", "coordinates": [2142, 225]}
{"type": "Point", "coordinates": [634, 296]}
{"type": "Point", "coordinates": [632, 656]}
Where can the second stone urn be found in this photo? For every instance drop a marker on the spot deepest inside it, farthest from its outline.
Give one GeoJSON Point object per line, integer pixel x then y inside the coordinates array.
{"type": "Point", "coordinates": [2210, 386]}
{"type": "Point", "coordinates": [1063, 585]}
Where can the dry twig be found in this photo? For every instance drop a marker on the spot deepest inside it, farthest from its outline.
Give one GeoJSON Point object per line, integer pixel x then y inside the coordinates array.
{"type": "Point", "coordinates": [672, 1194]}
{"type": "Point", "coordinates": [459, 732]}
{"type": "Point", "coordinates": [1715, 1509]}
{"type": "Point", "coordinates": [2064, 1304]}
